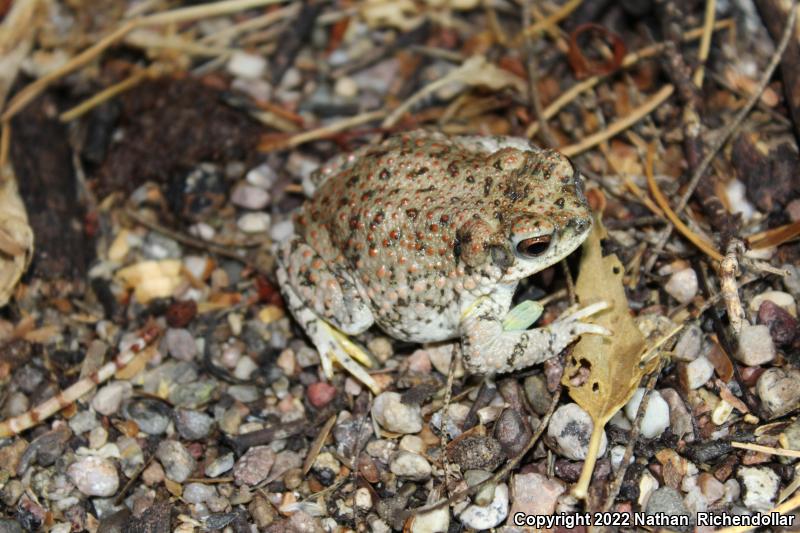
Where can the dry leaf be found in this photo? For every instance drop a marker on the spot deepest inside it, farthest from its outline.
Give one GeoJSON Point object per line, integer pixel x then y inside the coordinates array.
{"type": "Point", "coordinates": [613, 362]}
{"type": "Point", "coordinates": [16, 236]}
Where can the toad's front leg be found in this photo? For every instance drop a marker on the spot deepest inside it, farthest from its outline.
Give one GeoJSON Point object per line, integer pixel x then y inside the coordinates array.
{"type": "Point", "coordinates": [490, 349]}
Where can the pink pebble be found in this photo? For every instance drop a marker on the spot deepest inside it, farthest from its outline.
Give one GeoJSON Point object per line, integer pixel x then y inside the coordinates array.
{"type": "Point", "coordinates": [320, 393]}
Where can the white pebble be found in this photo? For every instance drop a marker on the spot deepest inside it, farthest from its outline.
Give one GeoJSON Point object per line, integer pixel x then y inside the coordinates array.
{"type": "Point", "coordinates": [695, 374]}
{"type": "Point", "coordinates": [487, 516]}
{"type": "Point", "coordinates": [109, 398]}
{"type": "Point", "coordinates": [244, 368]}
{"type": "Point", "coordinates": [571, 428]}
{"type": "Point", "coordinates": [247, 65]}
{"type": "Point", "coordinates": [737, 198]}
{"type": "Point", "coordinates": [391, 413]}
{"type": "Point", "coordinates": [94, 476]}
{"type": "Point", "coordinates": [249, 197]}
{"type": "Point", "coordinates": [410, 465]}
{"type": "Point", "coordinates": [656, 417]}
{"type": "Point", "coordinates": [346, 87]}
{"type": "Point", "coordinates": [755, 345]}
{"type": "Point", "coordinates": [261, 176]}
{"type": "Point", "coordinates": [254, 222]}
{"type": "Point", "coordinates": [760, 487]}
{"type": "Point", "coordinates": [682, 285]}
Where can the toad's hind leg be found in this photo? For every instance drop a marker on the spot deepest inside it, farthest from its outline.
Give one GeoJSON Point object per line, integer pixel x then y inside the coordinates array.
{"type": "Point", "coordinates": [329, 292]}
{"type": "Point", "coordinates": [331, 343]}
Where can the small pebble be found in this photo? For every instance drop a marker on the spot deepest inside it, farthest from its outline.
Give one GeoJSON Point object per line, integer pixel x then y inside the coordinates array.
{"type": "Point", "coordinates": [512, 431]}
{"type": "Point", "coordinates": [783, 327]}
{"type": "Point", "coordinates": [381, 348]}
{"type": "Point", "coordinates": [320, 394]}
{"type": "Point", "coordinates": [153, 474]}
{"type": "Point", "coordinates": [220, 465]}
{"type": "Point", "coordinates": [755, 345]}
{"type": "Point", "coordinates": [435, 521]}
{"type": "Point", "coordinates": [249, 197]}
{"type": "Point", "coordinates": [180, 314]}
{"type": "Point", "coordinates": [410, 465]}
{"type": "Point", "coordinates": [759, 487]}
{"type": "Point", "coordinates": [779, 390]}
{"type": "Point", "coordinates": [151, 415]}
{"type": "Point", "coordinates": [488, 516]}
{"type": "Point", "coordinates": [535, 387]}
{"type": "Point", "coordinates": [177, 461]}
{"type": "Point", "coordinates": [253, 467]}
{"type": "Point", "coordinates": [108, 399]}
{"type": "Point", "coordinates": [346, 87]}
{"type": "Point", "coordinates": [667, 501]}
{"type": "Point", "coordinates": [245, 366]}
{"type": "Point", "coordinates": [393, 415]}
{"type": "Point", "coordinates": [254, 223]}
{"type": "Point", "coordinates": [656, 417]}
{"type": "Point", "coordinates": [412, 443]}
{"type": "Point", "coordinates": [782, 299]}
{"type": "Point", "coordinates": [689, 345]}
{"type": "Point", "coordinates": [570, 429]}
{"type": "Point", "coordinates": [476, 452]}
{"type": "Point", "coordinates": [695, 374]}
{"type": "Point", "coordinates": [682, 285]}
{"type": "Point", "coordinates": [198, 492]}
{"type": "Point", "coordinates": [680, 420]}
{"type": "Point", "coordinates": [83, 421]}
{"type": "Point", "coordinates": [363, 499]}
{"type": "Point", "coordinates": [262, 176]}
{"type": "Point", "coordinates": [180, 344]}
{"type": "Point", "coordinates": [244, 393]}
{"type": "Point", "coordinates": [535, 494]}
{"type": "Point", "coordinates": [286, 361]}
{"type": "Point", "coordinates": [94, 476]}
{"type": "Point", "coordinates": [485, 493]}
{"type": "Point", "coordinates": [98, 437]}
{"type": "Point", "coordinates": [192, 425]}
{"type": "Point", "coordinates": [246, 65]}
{"type": "Point", "coordinates": [712, 488]}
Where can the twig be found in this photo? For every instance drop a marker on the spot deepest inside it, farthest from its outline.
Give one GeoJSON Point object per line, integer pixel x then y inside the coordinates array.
{"type": "Point", "coordinates": [662, 202]}
{"type": "Point", "coordinates": [728, 270]}
{"type": "Point", "coordinates": [334, 127]}
{"type": "Point", "coordinates": [542, 25]}
{"type": "Point", "coordinates": [766, 449]}
{"type": "Point", "coordinates": [187, 240]}
{"type": "Point", "coordinates": [705, 42]}
{"type": "Point", "coordinates": [731, 128]}
{"type": "Point", "coordinates": [621, 124]}
{"type": "Point", "coordinates": [106, 94]}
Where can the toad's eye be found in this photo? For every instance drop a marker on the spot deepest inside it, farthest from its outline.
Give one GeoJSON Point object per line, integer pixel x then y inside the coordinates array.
{"type": "Point", "coordinates": [534, 247]}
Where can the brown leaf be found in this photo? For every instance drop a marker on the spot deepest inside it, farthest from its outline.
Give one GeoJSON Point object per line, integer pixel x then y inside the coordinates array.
{"type": "Point", "coordinates": [613, 361]}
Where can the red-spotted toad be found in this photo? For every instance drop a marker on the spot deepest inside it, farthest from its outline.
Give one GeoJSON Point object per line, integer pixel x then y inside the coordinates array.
{"type": "Point", "coordinates": [427, 236]}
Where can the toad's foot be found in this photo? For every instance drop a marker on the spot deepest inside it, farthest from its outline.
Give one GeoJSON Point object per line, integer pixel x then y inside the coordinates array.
{"type": "Point", "coordinates": [491, 348]}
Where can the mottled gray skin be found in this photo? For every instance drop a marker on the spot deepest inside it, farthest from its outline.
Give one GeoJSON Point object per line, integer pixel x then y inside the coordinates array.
{"type": "Point", "coordinates": [427, 236]}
